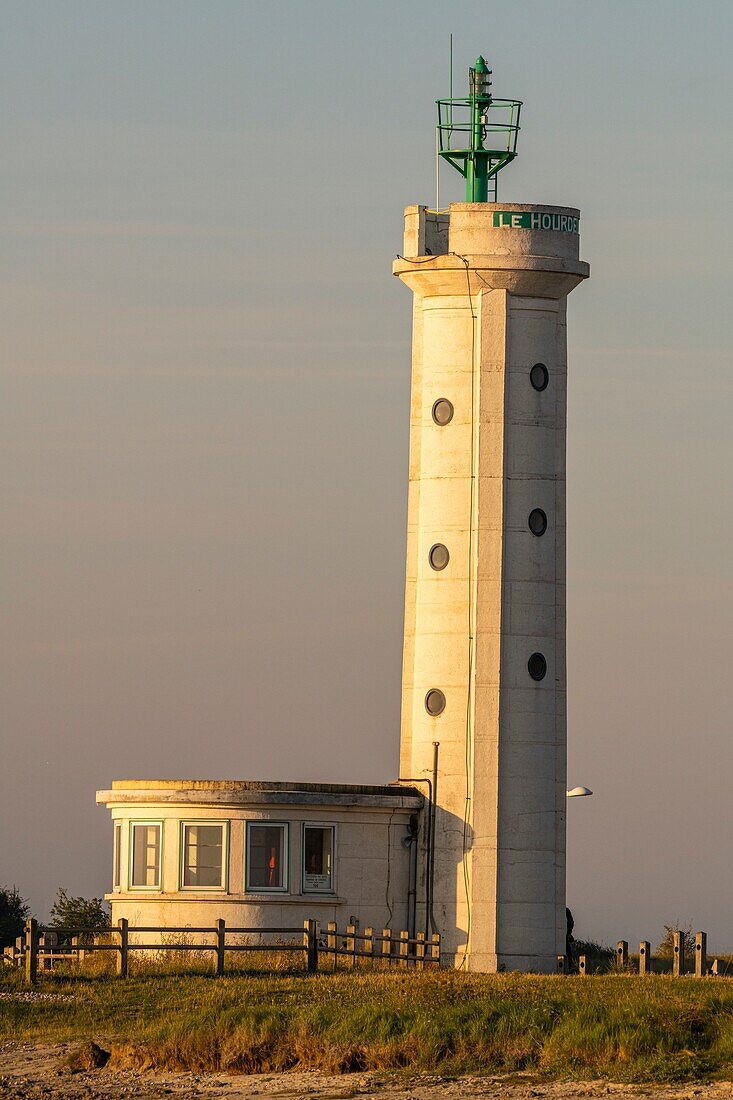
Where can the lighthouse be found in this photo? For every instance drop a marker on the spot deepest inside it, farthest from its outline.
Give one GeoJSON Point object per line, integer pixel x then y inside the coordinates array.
{"type": "Point", "coordinates": [466, 849]}
{"type": "Point", "coordinates": [484, 677]}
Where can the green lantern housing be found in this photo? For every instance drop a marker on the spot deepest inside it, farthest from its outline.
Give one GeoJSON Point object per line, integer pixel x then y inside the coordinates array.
{"type": "Point", "coordinates": [478, 135]}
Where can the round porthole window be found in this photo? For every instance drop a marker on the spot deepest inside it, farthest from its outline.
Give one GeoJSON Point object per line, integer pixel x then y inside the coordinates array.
{"type": "Point", "coordinates": [539, 376]}
{"type": "Point", "coordinates": [537, 522]}
{"type": "Point", "coordinates": [438, 556]}
{"type": "Point", "coordinates": [537, 666]}
{"type": "Point", "coordinates": [442, 412]}
{"type": "Point", "coordinates": [434, 702]}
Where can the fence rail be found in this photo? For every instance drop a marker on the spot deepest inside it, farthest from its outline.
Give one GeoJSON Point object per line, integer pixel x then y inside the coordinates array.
{"type": "Point", "coordinates": [353, 945]}
{"type": "Point", "coordinates": [41, 946]}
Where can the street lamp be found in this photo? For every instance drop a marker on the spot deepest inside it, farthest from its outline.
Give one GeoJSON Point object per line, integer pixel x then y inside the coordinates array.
{"type": "Point", "coordinates": [579, 792]}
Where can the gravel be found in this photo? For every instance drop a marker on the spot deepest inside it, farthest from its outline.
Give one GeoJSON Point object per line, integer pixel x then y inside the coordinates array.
{"type": "Point", "coordinates": [34, 997]}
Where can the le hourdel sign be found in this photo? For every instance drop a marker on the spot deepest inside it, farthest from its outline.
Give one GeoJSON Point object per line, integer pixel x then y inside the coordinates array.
{"type": "Point", "coordinates": [535, 219]}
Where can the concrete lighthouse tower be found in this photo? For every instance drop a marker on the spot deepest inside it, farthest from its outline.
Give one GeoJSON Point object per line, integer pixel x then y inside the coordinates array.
{"type": "Point", "coordinates": [483, 706]}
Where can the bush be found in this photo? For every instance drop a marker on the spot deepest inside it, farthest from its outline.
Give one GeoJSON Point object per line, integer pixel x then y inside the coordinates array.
{"type": "Point", "coordinates": [14, 912]}
{"type": "Point", "coordinates": [599, 956]}
{"type": "Point", "coordinates": [665, 950]}
{"type": "Point", "coordinates": [78, 912]}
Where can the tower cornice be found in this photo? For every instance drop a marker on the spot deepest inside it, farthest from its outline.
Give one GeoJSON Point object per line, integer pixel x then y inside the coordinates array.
{"type": "Point", "coordinates": [530, 276]}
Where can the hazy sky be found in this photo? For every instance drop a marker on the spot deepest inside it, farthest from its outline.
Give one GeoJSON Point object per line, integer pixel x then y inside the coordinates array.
{"type": "Point", "coordinates": [204, 413]}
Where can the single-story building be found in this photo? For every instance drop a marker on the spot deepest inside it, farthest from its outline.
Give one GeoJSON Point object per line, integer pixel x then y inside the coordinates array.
{"type": "Point", "coordinates": [264, 855]}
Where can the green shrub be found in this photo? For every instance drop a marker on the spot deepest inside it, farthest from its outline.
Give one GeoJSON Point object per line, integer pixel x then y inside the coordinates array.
{"type": "Point", "coordinates": [14, 912]}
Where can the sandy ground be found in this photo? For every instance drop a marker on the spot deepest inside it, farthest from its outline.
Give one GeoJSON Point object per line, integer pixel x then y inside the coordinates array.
{"type": "Point", "coordinates": [33, 1072]}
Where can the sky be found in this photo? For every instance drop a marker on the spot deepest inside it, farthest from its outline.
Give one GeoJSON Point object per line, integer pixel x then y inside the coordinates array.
{"type": "Point", "coordinates": [205, 401]}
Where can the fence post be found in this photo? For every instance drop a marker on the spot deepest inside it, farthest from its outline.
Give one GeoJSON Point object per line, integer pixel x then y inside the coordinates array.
{"type": "Point", "coordinates": [350, 944]}
{"type": "Point", "coordinates": [714, 969]}
{"type": "Point", "coordinates": [420, 951]}
{"type": "Point", "coordinates": [310, 944]}
{"type": "Point", "coordinates": [645, 958]}
{"type": "Point", "coordinates": [622, 954]}
{"type": "Point", "coordinates": [31, 951]}
{"type": "Point", "coordinates": [562, 964]}
{"type": "Point", "coordinates": [19, 949]}
{"type": "Point", "coordinates": [51, 943]}
{"type": "Point", "coordinates": [122, 951]}
{"type": "Point", "coordinates": [404, 948]}
{"type": "Point", "coordinates": [331, 940]}
{"type": "Point", "coordinates": [387, 945]}
{"type": "Point", "coordinates": [678, 956]}
{"type": "Point", "coordinates": [220, 932]}
{"type": "Point", "coordinates": [435, 948]}
{"type": "Point", "coordinates": [369, 942]}
{"type": "Point", "coordinates": [44, 963]}
{"type": "Point", "coordinates": [701, 954]}
{"type": "Point", "coordinates": [582, 966]}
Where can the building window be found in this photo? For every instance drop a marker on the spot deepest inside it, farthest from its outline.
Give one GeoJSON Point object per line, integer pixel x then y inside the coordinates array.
{"type": "Point", "coordinates": [267, 857]}
{"type": "Point", "coordinates": [435, 702]}
{"type": "Point", "coordinates": [537, 522]}
{"type": "Point", "coordinates": [537, 666]}
{"type": "Point", "coordinates": [117, 861]}
{"type": "Point", "coordinates": [203, 856]}
{"type": "Point", "coordinates": [438, 556]}
{"type": "Point", "coordinates": [442, 412]}
{"type": "Point", "coordinates": [145, 855]}
{"type": "Point", "coordinates": [318, 847]}
{"type": "Point", "coordinates": [539, 376]}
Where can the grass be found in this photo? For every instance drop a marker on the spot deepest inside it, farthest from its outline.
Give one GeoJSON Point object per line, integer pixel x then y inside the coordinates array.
{"type": "Point", "coordinates": [618, 1027]}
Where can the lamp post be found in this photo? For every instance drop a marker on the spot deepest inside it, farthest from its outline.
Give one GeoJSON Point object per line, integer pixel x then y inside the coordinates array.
{"type": "Point", "coordinates": [576, 792]}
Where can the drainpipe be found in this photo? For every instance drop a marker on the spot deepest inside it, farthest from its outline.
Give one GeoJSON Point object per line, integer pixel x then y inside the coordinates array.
{"type": "Point", "coordinates": [430, 924]}
{"type": "Point", "coordinates": [428, 845]}
{"type": "Point", "coordinates": [431, 872]}
{"type": "Point", "coordinates": [412, 884]}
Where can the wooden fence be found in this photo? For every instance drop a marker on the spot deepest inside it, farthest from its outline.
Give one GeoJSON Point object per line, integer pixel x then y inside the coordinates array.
{"type": "Point", "coordinates": [398, 948]}
{"type": "Point", "coordinates": [41, 947]}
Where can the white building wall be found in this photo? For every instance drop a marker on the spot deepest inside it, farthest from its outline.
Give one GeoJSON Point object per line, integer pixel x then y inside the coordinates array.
{"type": "Point", "coordinates": [371, 864]}
{"type": "Point", "coordinates": [484, 312]}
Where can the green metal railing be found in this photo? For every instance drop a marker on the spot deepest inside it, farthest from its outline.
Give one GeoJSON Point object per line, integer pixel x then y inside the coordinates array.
{"type": "Point", "coordinates": [477, 134]}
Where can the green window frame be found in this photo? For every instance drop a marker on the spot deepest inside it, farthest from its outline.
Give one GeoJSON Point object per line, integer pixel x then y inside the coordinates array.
{"type": "Point", "coordinates": [185, 870]}
{"type": "Point", "coordinates": [314, 879]}
{"type": "Point", "coordinates": [117, 856]}
{"type": "Point", "coordinates": [275, 867]}
{"type": "Point", "coordinates": [135, 851]}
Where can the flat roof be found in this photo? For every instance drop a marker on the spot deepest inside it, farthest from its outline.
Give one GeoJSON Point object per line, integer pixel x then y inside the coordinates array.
{"type": "Point", "coordinates": [260, 792]}
{"type": "Point", "coordinates": [258, 785]}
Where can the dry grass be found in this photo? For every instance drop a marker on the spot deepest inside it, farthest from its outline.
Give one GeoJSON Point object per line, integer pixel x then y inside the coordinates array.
{"type": "Point", "coordinates": [623, 1028]}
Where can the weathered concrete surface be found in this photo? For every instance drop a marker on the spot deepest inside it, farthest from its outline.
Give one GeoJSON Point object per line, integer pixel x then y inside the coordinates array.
{"type": "Point", "coordinates": [230, 792]}
{"type": "Point", "coordinates": [484, 312]}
